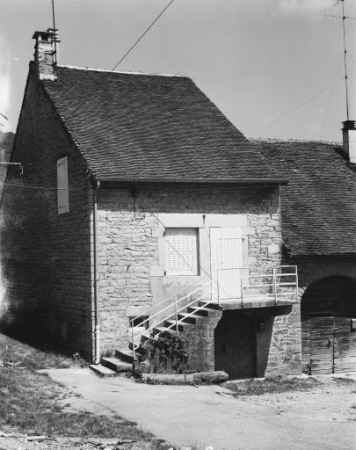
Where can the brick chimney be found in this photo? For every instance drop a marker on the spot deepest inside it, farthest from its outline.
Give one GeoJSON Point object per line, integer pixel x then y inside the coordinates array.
{"type": "Point", "coordinates": [349, 139]}
{"type": "Point", "coordinates": [46, 54]}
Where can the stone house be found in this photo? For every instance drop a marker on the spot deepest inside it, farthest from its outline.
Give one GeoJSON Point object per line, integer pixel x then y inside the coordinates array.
{"type": "Point", "coordinates": [142, 208]}
{"type": "Point", "coordinates": [318, 233]}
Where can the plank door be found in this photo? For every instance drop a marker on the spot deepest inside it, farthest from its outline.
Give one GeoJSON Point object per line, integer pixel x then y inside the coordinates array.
{"type": "Point", "coordinates": [226, 259]}
{"type": "Point", "coordinates": [322, 345]}
{"type": "Point", "coordinates": [235, 345]}
{"type": "Point", "coordinates": [345, 346]}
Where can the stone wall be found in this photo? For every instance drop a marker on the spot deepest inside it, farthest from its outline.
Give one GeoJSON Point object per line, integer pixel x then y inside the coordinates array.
{"type": "Point", "coordinates": [132, 276]}
{"type": "Point", "coordinates": [46, 256]}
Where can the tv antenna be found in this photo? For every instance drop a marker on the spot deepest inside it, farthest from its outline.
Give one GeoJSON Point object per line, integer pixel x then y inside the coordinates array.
{"type": "Point", "coordinates": [55, 35]}
{"type": "Point", "coordinates": [343, 17]}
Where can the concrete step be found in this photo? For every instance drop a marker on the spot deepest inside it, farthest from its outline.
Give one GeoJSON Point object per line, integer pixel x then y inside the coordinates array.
{"type": "Point", "coordinates": [125, 354]}
{"type": "Point", "coordinates": [189, 318]}
{"type": "Point", "coordinates": [202, 312]}
{"type": "Point", "coordinates": [181, 326]}
{"type": "Point", "coordinates": [157, 330]}
{"type": "Point", "coordinates": [211, 307]}
{"type": "Point", "coordinates": [115, 364]}
{"type": "Point", "coordinates": [102, 371]}
{"type": "Point", "coordinates": [138, 350]}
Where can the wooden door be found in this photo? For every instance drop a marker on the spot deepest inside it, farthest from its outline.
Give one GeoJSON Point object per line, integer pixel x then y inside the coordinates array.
{"type": "Point", "coordinates": [226, 260]}
{"type": "Point", "coordinates": [235, 345]}
{"type": "Point", "coordinates": [345, 346]}
{"type": "Point", "coordinates": [322, 345]}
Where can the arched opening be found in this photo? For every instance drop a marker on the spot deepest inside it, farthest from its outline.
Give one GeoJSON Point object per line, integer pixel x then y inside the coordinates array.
{"type": "Point", "coordinates": [235, 345]}
{"type": "Point", "coordinates": [328, 334]}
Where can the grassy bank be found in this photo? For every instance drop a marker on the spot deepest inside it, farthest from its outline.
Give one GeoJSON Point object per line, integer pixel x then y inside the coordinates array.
{"type": "Point", "coordinates": [32, 403]}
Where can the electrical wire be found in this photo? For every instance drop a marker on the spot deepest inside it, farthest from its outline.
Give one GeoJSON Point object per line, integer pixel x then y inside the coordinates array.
{"type": "Point", "coordinates": [297, 107]}
{"type": "Point", "coordinates": [329, 104]}
{"type": "Point", "coordinates": [141, 37]}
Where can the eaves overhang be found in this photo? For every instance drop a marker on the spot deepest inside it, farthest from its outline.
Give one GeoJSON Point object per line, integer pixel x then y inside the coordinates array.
{"type": "Point", "coordinates": [129, 181]}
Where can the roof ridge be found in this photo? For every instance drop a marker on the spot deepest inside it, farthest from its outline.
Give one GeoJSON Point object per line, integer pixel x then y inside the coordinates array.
{"type": "Point", "coordinates": [67, 66]}
{"type": "Point", "coordinates": [290, 141]}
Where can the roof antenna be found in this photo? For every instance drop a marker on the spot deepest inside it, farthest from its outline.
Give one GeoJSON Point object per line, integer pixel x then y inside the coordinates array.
{"type": "Point", "coordinates": [345, 60]}
{"type": "Point", "coordinates": [343, 17]}
{"type": "Point", "coordinates": [55, 36]}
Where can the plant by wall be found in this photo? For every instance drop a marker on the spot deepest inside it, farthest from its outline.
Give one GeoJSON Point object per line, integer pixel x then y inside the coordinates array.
{"type": "Point", "coordinates": [164, 353]}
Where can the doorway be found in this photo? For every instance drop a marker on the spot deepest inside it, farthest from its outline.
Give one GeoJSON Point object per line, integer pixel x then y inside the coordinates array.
{"type": "Point", "coordinates": [328, 336]}
{"type": "Point", "coordinates": [226, 261]}
{"type": "Point", "coordinates": [235, 345]}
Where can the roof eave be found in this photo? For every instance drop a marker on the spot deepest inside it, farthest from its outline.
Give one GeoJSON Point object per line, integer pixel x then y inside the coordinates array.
{"type": "Point", "coordinates": [129, 180]}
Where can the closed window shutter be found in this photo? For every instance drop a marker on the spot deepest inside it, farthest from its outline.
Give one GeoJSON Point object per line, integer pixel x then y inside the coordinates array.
{"type": "Point", "coordinates": [62, 185]}
{"type": "Point", "coordinates": [181, 251]}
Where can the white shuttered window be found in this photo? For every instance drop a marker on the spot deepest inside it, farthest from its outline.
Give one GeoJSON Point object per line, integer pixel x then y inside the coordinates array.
{"type": "Point", "coordinates": [181, 251]}
{"type": "Point", "coordinates": [62, 185]}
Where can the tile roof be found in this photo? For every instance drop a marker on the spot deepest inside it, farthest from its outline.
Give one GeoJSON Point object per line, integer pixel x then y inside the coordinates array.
{"type": "Point", "coordinates": [138, 127]}
{"type": "Point", "coordinates": [319, 203]}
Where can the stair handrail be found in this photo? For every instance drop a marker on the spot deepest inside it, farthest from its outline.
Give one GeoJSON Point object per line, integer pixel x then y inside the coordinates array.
{"type": "Point", "coordinates": [200, 279]}
{"type": "Point", "coordinates": [274, 283]}
{"type": "Point", "coordinates": [178, 310]}
{"type": "Point", "coordinates": [147, 311]}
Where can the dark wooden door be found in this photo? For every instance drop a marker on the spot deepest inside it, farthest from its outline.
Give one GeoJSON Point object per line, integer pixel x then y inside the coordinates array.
{"type": "Point", "coordinates": [321, 345]}
{"type": "Point", "coordinates": [235, 345]}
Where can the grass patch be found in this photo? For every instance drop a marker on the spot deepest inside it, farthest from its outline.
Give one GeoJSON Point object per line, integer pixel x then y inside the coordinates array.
{"type": "Point", "coordinates": [34, 404]}
{"type": "Point", "coordinates": [273, 385]}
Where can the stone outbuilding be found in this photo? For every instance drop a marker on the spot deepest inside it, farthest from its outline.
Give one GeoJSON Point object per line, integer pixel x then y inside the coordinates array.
{"type": "Point", "coordinates": [143, 209]}
{"type": "Point", "coordinates": [318, 232]}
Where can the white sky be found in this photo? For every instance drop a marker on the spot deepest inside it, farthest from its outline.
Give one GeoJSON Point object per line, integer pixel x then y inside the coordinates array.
{"type": "Point", "coordinates": [257, 60]}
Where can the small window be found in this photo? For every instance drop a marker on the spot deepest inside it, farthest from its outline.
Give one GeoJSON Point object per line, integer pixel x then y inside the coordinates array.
{"type": "Point", "coordinates": [181, 251]}
{"type": "Point", "coordinates": [62, 185]}
{"type": "Point", "coordinates": [140, 321]}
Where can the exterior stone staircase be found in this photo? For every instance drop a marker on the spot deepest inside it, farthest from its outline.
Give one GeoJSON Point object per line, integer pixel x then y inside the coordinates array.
{"type": "Point", "coordinates": [187, 322]}
{"type": "Point", "coordinates": [196, 315]}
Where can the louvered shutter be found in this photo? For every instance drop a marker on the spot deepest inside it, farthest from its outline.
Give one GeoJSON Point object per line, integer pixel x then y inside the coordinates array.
{"type": "Point", "coordinates": [62, 185]}
{"type": "Point", "coordinates": [181, 251]}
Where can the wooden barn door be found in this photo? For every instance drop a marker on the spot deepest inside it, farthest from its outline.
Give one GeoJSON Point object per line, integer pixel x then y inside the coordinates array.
{"type": "Point", "coordinates": [235, 345]}
{"type": "Point", "coordinates": [321, 345]}
{"type": "Point", "coordinates": [344, 347]}
{"type": "Point", "coordinates": [332, 345]}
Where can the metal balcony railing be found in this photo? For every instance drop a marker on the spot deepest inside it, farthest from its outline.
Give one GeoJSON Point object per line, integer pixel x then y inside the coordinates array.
{"type": "Point", "coordinates": [232, 285]}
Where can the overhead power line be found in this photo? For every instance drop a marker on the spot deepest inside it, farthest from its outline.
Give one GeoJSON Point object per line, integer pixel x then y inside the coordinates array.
{"type": "Point", "coordinates": [142, 35]}
{"type": "Point", "coordinates": [297, 107]}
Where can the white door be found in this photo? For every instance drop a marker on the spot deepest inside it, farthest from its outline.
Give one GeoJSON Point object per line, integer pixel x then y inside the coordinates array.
{"type": "Point", "coordinates": [226, 260]}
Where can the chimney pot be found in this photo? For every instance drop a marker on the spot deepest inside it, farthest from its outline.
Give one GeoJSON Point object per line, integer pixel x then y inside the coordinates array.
{"type": "Point", "coordinates": [349, 139]}
{"type": "Point", "coordinates": [45, 54]}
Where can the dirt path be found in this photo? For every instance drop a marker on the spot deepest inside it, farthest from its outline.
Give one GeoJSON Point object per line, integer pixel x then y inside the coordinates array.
{"type": "Point", "coordinates": [210, 415]}
{"type": "Point", "coordinates": [332, 399]}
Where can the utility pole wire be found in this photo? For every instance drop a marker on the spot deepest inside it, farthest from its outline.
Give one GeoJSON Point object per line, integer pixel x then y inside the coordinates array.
{"type": "Point", "coordinates": [296, 107]}
{"type": "Point", "coordinates": [147, 30]}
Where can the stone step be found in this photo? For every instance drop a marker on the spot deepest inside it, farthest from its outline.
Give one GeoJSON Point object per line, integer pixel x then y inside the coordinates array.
{"type": "Point", "coordinates": [116, 364]}
{"type": "Point", "coordinates": [102, 371]}
{"type": "Point", "coordinates": [125, 354]}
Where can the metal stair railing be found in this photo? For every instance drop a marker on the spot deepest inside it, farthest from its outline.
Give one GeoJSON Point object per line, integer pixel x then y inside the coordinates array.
{"type": "Point", "coordinates": [275, 293]}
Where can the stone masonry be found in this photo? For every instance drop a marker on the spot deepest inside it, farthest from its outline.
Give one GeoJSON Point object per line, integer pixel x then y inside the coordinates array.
{"type": "Point", "coordinates": [46, 256]}
{"type": "Point", "coordinates": [129, 247]}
